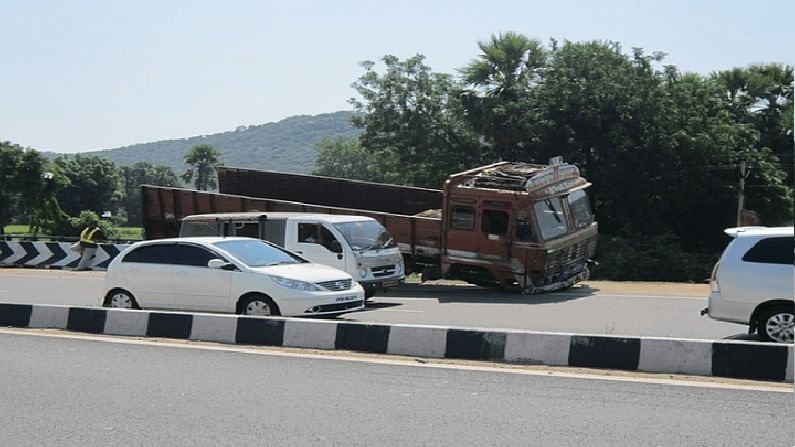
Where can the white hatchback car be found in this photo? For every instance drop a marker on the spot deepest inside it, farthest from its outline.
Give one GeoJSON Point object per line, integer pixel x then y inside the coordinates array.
{"type": "Point", "coordinates": [241, 275]}
{"type": "Point", "coordinates": [753, 283]}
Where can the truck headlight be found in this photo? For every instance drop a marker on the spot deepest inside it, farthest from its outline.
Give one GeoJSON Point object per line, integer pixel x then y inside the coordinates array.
{"type": "Point", "coordinates": [363, 273]}
{"type": "Point", "coordinates": [295, 284]}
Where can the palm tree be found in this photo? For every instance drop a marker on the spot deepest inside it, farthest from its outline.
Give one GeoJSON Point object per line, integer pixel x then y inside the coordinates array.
{"type": "Point", "coordinates": [203, 159]}
{"type": "Point", "coordinates": [507, 62]}
{"type": "Point", "coordinates": [500, 77]}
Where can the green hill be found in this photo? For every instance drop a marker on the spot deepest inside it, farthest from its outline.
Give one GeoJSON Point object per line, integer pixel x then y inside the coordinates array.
{"type": "Point", "coordinates": [287, 145]}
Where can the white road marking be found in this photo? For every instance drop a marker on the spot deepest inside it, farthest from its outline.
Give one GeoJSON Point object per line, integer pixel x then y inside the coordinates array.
{"type": "Point", "coordinates": [396, 310]}
{"type": "Point", "coordinates": [561, 295]}
{"type": "Point", "coordinates": [668, 379]}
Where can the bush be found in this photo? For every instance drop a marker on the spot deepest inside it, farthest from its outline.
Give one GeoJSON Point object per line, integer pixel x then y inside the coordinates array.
{"type": "Point", "coordinates": [650, 258]}
{"type": "Point", "coordinates": [78, 224]}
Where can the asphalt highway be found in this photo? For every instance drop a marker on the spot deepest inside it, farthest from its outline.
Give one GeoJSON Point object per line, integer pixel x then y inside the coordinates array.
{"type": "Point", "coordinates": [96, 393]}
{"type": "Point", "coordinates": [581, 310]}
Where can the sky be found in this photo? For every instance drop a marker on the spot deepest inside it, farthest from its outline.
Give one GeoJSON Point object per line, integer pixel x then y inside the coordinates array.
{"type": "Point", "coordinates": [84, 75]}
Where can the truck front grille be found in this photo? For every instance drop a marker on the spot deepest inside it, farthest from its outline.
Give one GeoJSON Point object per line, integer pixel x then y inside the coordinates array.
{"type": "Point", "coordinates": [383, 270]}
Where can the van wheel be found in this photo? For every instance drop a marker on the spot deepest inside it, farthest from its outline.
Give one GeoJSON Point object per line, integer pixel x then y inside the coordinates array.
{"type": "Point", "coordinates": [777, 324]}
{"type": "Point", "coordinates": [259, 305]}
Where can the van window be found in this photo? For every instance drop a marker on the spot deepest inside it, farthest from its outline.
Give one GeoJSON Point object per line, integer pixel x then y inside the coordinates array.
{"type": "Point", "coordinates": [274, 231]}
{"type": "Point", "coordinates": [494, 222]}
{"type": "Point", "coordinates": [773, 250]}
{"type": "Point", "coordinates": [193, 228]}
{"type": "Point", "coordinates": [307, 233]}
{"type": "Point", "coordinates": [247, 229]}
{"type": "Point", "coordinates": [328, 240]}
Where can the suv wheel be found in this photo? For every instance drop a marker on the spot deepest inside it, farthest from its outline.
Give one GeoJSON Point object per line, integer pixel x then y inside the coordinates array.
{"type": "Point", "coordinates": [777, 324]}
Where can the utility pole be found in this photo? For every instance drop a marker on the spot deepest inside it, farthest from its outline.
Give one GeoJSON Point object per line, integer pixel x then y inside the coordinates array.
{"type": "Point", "coordinates": [741, 192]}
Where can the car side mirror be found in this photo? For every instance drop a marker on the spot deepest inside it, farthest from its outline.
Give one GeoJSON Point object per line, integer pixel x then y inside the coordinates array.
{"type": "Point", "coordinates": [219, 264]}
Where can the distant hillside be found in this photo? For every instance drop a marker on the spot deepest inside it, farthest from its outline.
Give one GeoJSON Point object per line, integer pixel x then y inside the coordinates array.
{"type": "Point", "coordinates": [287, 145]}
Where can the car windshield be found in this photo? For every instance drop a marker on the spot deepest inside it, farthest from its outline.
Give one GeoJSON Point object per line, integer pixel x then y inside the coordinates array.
{"type": "Point", "coordinates": [257, 253]}
{"type": "Point", "coordinates": [366, 235]}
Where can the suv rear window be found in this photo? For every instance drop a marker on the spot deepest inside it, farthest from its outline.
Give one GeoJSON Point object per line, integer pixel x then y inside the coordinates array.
{"type": "Point", "coordinates": [774, 250]}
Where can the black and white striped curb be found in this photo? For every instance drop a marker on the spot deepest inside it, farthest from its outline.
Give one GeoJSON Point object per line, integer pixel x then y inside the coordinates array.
{"type": "Point", "coordinates": [53, 255]}
{"type": "Point", "coordinates": [724, 358]}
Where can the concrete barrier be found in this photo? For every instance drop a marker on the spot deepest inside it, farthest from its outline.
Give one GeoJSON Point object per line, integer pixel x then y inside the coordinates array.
{"type": "Point", "coordinates": [721, 358]}
{"type": "Point", "coordinates": [53, 255]}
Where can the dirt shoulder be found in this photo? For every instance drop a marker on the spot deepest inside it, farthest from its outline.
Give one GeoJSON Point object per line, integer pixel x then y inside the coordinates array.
{"type": "Point", "coordinates": [646, 288]}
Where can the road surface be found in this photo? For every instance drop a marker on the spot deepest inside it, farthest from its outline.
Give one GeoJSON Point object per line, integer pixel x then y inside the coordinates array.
{"type": "Point", "coordinates": [79, 392]}
{"type": "Point", "coordinates": [599, 308]}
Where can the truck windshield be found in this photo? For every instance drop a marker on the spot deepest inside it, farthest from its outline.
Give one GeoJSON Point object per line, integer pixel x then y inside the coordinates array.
{"type": "Point", "coordinates": [256, 253]}
{"type": "Point", "coordinates": [580, 209]}
{"type": "Point", "coordinates": [366, 235]}
{"type": "Point", "coordinates": [550, 217]}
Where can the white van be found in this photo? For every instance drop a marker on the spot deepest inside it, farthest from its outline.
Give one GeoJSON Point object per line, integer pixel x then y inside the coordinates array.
{"type": "Point", "coordinates": [752, 283]}
{"type": "Point", "coordinates": [358, 245]}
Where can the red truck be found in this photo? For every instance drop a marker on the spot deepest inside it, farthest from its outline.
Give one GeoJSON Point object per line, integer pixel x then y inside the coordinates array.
{"type": "Point", "coordinates": [515, 226]}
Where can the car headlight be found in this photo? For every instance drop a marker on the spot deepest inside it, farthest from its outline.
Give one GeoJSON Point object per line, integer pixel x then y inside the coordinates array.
{"type": "Point", "coordinates": [295, 284]}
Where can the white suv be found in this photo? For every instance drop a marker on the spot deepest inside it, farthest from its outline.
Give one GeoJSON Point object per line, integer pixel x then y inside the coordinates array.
{"type": "Point", "coordinates": [753, 283]}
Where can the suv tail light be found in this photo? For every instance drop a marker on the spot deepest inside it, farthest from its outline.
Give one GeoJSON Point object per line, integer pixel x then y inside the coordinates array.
{"type": "Point", "coordinates": [713, 279]}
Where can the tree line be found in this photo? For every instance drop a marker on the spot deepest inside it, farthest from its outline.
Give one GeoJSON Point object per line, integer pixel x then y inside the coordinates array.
{"type": "Point", "coordinates": [662, 147]}
{"type": "Point", "coordinates": [57, 197]}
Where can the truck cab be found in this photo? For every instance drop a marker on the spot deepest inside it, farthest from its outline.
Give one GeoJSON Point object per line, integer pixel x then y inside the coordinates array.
{"type": "Point", "coordinates": [358, 245]}
{"type": "Point", "coordinates": [518, 226]}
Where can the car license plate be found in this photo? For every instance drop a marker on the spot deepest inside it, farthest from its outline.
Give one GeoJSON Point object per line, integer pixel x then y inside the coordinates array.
{"type": "Point", "coordinates": [390, 283]}
{"type": "Point", "coordinates": [347, 298]}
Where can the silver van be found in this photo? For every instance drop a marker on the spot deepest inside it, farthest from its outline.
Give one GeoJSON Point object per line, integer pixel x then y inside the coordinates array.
{"type": "Point", "coordinates": [753, 283]}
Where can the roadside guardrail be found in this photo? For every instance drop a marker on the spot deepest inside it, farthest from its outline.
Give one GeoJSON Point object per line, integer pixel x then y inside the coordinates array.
{"type": "Point", "coordinates": [719, 358]}
{"type": "Point", "coordinates": [53, 255]}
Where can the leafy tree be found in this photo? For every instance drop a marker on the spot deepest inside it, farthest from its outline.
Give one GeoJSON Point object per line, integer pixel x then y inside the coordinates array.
{"type": "Point", "coordinates": [413, 122]}
{"type": "Point", "coordinates": [508, 66]}
{"type": "Point", "coordinates": [661, 147]}
{"type": "Point", "coordinates": [762, 96]}
{"type": "Point", "coordinates": [142, 173]}
{"type": "Point", "coordinates": [338, 157]}
{"type": "Point", "coordinates": [203, 159]}
{"type": "Point", "coordinates": [29, 184]}
{"type": "Point", "coordinates": [94, 183]}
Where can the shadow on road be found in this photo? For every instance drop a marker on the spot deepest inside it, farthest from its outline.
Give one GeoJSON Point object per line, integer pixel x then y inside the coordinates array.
{"type": "Point", "coordinates": [373, 305]}
{"type": "Point", "coordinates": [447, 293]}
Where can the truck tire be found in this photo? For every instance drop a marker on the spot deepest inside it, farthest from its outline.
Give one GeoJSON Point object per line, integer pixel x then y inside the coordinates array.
{"type": "Point", "coordinates": [369, 291]}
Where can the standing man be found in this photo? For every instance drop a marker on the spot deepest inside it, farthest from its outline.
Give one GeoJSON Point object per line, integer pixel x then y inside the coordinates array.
{"type": "Point", "coordinates": [89, 240]}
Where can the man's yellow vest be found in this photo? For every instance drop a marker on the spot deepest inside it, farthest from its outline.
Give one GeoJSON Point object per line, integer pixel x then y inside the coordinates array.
{"type": "Point", "coordinates": [87, 235]}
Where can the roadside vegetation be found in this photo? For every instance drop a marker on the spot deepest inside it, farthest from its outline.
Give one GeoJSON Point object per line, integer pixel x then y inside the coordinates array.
{"type": "Point", "coordinates": [664, 149]}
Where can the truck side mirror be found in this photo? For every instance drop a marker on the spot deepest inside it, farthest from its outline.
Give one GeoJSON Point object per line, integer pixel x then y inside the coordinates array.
{"type": "Point", "coordinates": [334, 246]}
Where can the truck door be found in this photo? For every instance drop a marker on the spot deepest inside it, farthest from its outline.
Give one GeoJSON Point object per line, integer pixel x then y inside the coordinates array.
{"type": "Point", "coordinates": [461, 236]}
{"type": "Point", "coordinates": [494, 240]}
{"type": "Point", "coordinates": [318, 244]}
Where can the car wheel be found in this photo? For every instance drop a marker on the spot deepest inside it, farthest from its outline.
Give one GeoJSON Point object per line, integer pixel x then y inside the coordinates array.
{"type": "Point", "coordinates": [369, 291]}
{"type": "Point", "coordinates": [777, 324]}
{"type": "Point", "coordinates": [120, 299]}
{"type": "Point", "coordinates": [259, 305]}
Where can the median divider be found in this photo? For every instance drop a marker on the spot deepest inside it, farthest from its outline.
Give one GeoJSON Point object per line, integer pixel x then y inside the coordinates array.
{"type": "Point", "coordinates": [721, 358]}
{"type": "Point", "coordinates": [53, 255]}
